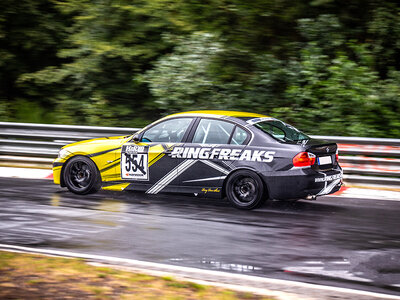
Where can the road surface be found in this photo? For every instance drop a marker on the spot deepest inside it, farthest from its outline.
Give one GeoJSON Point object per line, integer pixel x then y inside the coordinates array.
{"type": "Point", "coordinates": [352, 243]}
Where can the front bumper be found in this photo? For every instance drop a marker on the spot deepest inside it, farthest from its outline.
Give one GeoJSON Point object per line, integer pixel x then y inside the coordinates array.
{"type": "Point", "coordinates": [303, 183]}
{"type": "Point", "coordinates": [57, 167]}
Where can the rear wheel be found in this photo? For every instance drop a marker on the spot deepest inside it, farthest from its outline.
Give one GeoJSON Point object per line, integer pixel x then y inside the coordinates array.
{"type": "Point", "coordinates": [81, 175]}
{"type": "Point", "coordinates": [245, 190]}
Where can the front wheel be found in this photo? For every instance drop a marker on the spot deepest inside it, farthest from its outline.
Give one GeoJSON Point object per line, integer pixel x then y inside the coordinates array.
{"type": "Point", "coordinates": [245, 190]}
{"type": "Point", "coordinates": [81, 176]}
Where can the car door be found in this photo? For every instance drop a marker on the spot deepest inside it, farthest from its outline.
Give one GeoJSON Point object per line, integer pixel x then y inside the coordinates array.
{"type": "Point", "coordinates": [214, 145]}
{"type": "Point", "coordinates": [147, 163]}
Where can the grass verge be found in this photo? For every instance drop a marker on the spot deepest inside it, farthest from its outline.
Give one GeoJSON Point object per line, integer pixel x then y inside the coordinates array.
{"type": "Point", "coordinates": [30, 276]}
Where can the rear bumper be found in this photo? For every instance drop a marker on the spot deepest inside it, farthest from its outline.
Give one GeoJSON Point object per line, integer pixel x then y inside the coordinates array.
{"type": "Point", "coordinates": [303, 183]}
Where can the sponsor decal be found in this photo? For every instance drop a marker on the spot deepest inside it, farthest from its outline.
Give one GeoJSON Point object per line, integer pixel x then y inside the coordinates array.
{"type": "Point", "coordinates": [134, 162]}
{"type": "Point", "coordinates": [206, 153]}
{"type": "Point", "coordinates": [258, 120]}
{"type": "Point", "coordinates": [210, 190]}
{"type": "Point", "coordinates": [328, 178]}
{"type": "Point", "coordinates": [134, 149]}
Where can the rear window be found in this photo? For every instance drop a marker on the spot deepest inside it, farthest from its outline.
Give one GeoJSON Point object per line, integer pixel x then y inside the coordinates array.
{"type": "Point", "coordinates": [280, 131]}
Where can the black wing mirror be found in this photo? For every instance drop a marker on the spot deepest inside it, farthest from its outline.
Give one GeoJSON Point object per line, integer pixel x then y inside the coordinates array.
{"type": "Point", "coordinates": [135, 139]}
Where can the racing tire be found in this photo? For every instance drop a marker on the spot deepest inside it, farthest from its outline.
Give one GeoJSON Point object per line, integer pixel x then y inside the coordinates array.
{"type": "Point", "coordinates": [245, 190]}
{"type": "Point", "coordinates": [81, 176]}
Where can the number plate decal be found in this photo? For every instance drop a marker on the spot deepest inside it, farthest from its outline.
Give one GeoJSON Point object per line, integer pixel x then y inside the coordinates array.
{"type": "Point", "coordinates": [135, 162]}
{"type": "Point", "coordinates": [324, 160]}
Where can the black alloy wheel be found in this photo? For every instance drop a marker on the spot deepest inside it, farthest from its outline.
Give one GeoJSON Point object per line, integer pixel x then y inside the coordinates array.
{"type": "Point", "coordinates": [245, 190]}
{"type": "Point", "coordinates": [81, 175]}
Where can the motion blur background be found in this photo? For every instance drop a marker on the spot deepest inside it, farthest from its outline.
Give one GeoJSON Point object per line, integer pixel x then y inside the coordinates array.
{"type": "Point", "coordinates": [329, 67]}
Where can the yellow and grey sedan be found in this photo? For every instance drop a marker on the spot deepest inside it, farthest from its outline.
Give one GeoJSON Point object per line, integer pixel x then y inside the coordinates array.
{"type": "Point", "coordinates": [246, 157]}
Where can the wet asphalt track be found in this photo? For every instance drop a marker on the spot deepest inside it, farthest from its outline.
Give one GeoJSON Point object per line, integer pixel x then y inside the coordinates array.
{"type": "Point", "coordinates": [352, 243]}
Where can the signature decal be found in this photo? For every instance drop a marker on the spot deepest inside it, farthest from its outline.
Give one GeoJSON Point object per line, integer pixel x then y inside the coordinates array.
{"type": "Point", "coordinates": [210, 190]}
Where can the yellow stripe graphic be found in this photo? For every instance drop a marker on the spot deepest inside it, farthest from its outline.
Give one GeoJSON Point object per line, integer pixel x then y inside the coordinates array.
{"type": "Point", "coordinates": [116, 187]}
{"type": "Point", "coordinates": [156, 159]}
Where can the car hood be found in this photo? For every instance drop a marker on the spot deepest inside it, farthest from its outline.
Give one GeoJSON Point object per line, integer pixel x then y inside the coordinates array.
{"type": "Point", "coordinates": [95, 145]}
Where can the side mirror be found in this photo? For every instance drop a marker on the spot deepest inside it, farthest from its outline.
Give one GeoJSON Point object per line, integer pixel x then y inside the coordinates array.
{"type": "Point", "coordinates": [135, 139]}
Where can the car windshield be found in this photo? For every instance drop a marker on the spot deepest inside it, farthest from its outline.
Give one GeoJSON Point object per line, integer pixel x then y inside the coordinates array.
{"type": "Point", "coordinates": [281, 131]}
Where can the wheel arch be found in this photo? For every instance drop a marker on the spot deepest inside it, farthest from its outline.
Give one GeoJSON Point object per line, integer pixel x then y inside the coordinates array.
{"type": "Point", "coordinates": [62, 183]}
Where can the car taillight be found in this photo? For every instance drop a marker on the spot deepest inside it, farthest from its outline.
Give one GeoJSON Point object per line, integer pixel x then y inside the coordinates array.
{"type": "Point", "coordinates": [304, 159]}
{"type": "Point", "coordinates": [337, 155]}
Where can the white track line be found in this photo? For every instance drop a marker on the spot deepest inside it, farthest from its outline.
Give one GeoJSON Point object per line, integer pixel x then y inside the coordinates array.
{"type": "Point", "coordinates": [172, 268]}
{"type": "Point", "coordinates": [370, 194]}
{"type": "Point", "coordinates": [26, 173]}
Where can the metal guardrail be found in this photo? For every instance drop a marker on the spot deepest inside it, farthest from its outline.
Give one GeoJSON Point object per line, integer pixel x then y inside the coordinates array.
{"type": "Point", "coordinates": [368, 161]}
{"type": "Point", "coordinates": [373, 161]}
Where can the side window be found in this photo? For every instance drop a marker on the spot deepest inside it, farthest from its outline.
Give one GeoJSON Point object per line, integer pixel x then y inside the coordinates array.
{"type": "Point", "coordinates": [239, 136]}
{"type": "Point", "coordinates": [212, 131]}
{"type": "Point", "coordinates": [170, 131]}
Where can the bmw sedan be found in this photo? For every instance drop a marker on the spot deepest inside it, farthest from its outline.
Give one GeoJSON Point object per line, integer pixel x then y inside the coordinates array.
{"type": "Point", "coordinates": [245, 157]}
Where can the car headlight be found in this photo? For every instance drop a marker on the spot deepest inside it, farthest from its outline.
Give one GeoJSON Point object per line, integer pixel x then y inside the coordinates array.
{"type": "Point", "coordinates": [63, 153]}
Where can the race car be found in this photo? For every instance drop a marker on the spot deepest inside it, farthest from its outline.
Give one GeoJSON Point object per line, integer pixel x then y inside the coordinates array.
{"type": "Point", "coordinates": [246, 157]}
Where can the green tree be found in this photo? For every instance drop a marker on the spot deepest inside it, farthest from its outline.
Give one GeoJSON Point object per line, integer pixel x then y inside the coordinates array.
{"type": "Point", "coordinates": [340, 90]}
{"type": "Point", "coordinates": [115, 62]}
{"type": "Point", "coordinates": [31, 32]}
{"type": "Point", "coordinates": [384, 35]}
{"type": "Point", "coordinates": [111, 43]}
{"type": "Point", "coordinates": [331, 82]}
{"type": "Point", "coordinates": [182, 79]}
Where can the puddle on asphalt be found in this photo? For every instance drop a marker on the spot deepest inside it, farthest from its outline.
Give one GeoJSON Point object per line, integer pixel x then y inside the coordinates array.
{"type": "Point", "coordinates": [218, 265]}
{"type": "Point", "coordinates": [111, 205]}
{"type": "Point", "coordinates": [230, 266]}
{"type": "Point", "coordinates": [363, 267]}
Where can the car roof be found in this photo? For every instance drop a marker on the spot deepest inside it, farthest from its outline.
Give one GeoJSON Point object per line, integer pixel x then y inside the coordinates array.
{"type": "Point", "coordinates": [219, 114]}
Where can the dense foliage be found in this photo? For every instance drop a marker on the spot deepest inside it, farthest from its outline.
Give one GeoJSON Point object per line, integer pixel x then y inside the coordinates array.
{"type": "Point", "coordinates": [327, 66]}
